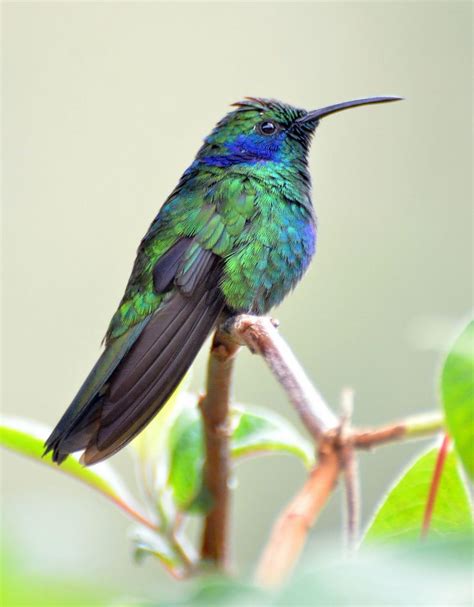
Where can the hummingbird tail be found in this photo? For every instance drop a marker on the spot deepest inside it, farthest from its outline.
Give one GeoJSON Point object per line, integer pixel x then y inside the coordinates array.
{"type": "Point", "coordinates": [70, 433]}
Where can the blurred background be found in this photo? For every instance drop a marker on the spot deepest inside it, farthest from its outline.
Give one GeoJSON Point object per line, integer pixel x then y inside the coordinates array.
{"type": "Point", "coordinates": [104, 106]}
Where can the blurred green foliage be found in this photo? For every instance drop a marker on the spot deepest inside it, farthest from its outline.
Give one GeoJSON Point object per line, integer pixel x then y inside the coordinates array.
{"type": "Point", "coordinates": [19, 588]}
{"type": "Point", "coordinates": [429, 573]}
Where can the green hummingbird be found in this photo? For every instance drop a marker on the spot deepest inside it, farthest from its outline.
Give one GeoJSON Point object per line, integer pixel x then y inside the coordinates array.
{"type": "Point", "coordinates": [235, 236]}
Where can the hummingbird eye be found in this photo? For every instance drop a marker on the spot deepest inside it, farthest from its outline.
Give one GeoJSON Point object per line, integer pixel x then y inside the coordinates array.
{"type": "Point", "coordinates": [267, 127]}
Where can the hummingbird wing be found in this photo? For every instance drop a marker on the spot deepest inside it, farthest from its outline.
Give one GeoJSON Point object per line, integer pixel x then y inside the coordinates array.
{"type": "Point", "coordinates": [139, 369]}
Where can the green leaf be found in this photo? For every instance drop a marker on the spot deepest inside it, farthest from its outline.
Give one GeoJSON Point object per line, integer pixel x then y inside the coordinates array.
{"type": "Point", "coordinates": [400, 516]}
{"type": "Point", "coordinates": [27, 438]}
{"type": "Point", "coordinates": [457, 388]}
{"type": "Point", "coordinates": [253, 432]}
{"type": "Point", "coordinates": [187, 459]}
{"type": "Point", "coordinates": [262, 431]}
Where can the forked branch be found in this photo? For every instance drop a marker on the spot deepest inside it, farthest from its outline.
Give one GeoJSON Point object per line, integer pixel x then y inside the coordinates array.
{"type": "Point", "coordinates": [336, 444]}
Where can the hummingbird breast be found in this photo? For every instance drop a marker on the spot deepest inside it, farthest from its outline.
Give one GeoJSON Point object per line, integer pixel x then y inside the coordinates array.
{"type": "Point", "coordinates": [271, 255]}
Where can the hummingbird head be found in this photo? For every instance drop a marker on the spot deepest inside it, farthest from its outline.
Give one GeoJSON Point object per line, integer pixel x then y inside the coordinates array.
{"type": "Point", "coordinates": [265, 130]}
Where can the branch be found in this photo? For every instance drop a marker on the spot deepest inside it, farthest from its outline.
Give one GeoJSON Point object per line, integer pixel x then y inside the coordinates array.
{"type": "Point", "coordinates": [261, 336]}
{"type": "Point", "coordinates": [215, 412]}
{"type": "Point", "coordinates": [351, 483]}
{"type": "Point", "coordinates": [411, 428]}
{"type": "Point", "coordinates": [289, 532]}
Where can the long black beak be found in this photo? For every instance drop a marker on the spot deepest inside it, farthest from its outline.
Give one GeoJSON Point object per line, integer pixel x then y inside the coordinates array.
{"type": "Point", "coordinates": [338, 107]}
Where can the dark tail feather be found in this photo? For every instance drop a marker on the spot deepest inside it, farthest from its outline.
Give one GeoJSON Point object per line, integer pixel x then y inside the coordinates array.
{"type": "Point", "coordinates": [151, 372]}
{"type": "Point", "coordinates": [72, 431]}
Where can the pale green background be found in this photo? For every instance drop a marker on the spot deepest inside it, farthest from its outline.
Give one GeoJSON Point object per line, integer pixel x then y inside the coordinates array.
{"type": "Point", "coordinates": [104, 105]}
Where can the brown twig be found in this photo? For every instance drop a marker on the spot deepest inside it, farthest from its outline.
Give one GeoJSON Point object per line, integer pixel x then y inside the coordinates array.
{"type": "Point", "coordinates": [370, 438]}
{"type": "Point", "coordinates": [414, 427]}
{"type": "Point", "coordinates": [215, 413]}
{"type": "Point", "coordinates": [351, 484]}
{"type": "Point", "coordinates": [261, 336]}
{"type": "Point", "coordinates": [289, 532]}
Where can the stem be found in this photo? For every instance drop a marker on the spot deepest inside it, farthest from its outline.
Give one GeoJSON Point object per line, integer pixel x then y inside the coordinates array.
{"type": "Point", "coordinates": [435, 481]}
{"type": "Point", "coordinates": [411, 428]}
{"type": "Point", "coordinates": [350, 469]}
{"type": "Point", "coordinates": [215, 414]}
{"type": "Point", "coordinates": [289, 532]}
{"type": "Point", "coordinates": [351, 482]}
{"type": "Point", "coordinates": [130, 511]}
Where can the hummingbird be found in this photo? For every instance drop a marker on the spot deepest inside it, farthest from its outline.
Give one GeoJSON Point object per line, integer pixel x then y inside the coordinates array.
{"type": "Point", "coordinates": [234, 236]}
